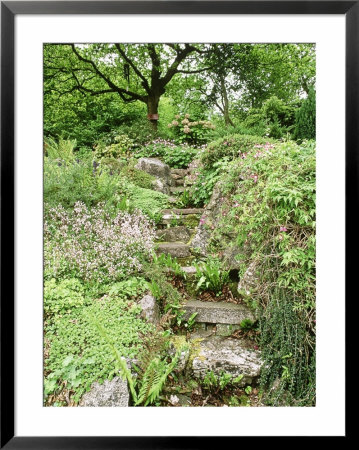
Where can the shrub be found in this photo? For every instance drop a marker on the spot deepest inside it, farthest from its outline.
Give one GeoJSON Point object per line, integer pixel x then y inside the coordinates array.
{"type": "Point", "coordinates": [194, 132]}
{"type": "Point", "coordinates": [270, 207]}
{"type": "Point", "coordinates": [67, 183]}
{"type": "Point", "coordinates": [305, 118]}
{"type": "Point", "coordinates": [176, 156]}
{"type": "Point", "coordinates": [121, 147]}
{"type": "Point", "coordinates": [90, 244]}
{"type": "Point", "coordinates": [230, 147]}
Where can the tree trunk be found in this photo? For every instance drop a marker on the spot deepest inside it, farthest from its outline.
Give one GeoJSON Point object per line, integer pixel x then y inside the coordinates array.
{"type": "Point", "coordinates": [227, 119]}
{"type": "Point", "coordinates": [152, 111]}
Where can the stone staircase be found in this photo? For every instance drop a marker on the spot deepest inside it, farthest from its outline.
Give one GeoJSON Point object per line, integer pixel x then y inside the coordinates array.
{"type": "Point", "coordinates": [215, 322]}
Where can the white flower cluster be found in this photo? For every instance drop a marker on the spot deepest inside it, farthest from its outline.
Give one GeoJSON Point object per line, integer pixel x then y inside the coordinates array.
{"type": "Point", "coordinates": [90, 244]}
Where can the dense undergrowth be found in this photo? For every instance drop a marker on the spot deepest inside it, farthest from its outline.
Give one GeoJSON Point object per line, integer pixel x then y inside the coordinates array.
{"type": "Point", "coordinates": [268, 208]}
{"type": "Point", "coordinates": [99, 239]}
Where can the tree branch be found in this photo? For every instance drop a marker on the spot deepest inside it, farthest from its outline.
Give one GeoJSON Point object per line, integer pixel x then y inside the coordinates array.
{"type": "Point", "coordinates": [135, 69]}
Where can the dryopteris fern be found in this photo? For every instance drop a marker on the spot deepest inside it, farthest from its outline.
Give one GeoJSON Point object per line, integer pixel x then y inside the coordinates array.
{"type": "Point", "coordinates": [148, 386]}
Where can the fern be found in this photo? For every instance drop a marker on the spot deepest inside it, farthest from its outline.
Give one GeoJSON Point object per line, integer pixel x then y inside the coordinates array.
{"type": "Point", "coordinates": [153, 373]}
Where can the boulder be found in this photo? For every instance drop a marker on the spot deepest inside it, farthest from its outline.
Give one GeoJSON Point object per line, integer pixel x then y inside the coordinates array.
{"type": "Point", "coordinates": [109, 394]}
{"type": "Point", "coordinates": [233, 356]}
{"type": "Point", "coordinates": [159, 170]}
{"type": "Point", "coordinates": [150, 309]}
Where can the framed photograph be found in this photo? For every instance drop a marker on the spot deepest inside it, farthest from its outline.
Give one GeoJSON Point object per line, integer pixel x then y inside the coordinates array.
{"type": "Point", "coordinates": [177, 180]}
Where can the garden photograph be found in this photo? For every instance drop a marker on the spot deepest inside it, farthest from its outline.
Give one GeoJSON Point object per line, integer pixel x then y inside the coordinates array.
{"type": "Point", "coordinates": [179, 225]}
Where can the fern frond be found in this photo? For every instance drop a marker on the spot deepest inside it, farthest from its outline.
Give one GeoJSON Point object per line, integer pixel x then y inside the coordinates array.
{"type": "Point", "coordinates": [121, 364]}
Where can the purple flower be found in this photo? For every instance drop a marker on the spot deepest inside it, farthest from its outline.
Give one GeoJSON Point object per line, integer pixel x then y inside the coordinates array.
{"type": "Point", "coordinates": [283, 229]}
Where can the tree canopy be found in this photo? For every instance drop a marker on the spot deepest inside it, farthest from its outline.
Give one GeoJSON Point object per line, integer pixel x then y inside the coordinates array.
{"type": "Point", "coordinates": [88, 80]}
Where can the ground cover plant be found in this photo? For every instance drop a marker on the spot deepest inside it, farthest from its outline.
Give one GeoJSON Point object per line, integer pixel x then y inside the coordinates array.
{"type": "Point", "coordinates": [228, 222]}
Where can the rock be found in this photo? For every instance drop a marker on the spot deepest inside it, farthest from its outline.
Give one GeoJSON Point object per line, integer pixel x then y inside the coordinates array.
{"type": "Point", "coordinates": [199, 243]}
{"type": "Point", "coordinates": [179, 173]}
{"type": "Point", "coordinates": [159, 170]}
{"type": "Point", "coordinates": [174, 234]}
{"type": "Point", "coordinates": [159, 186]}
{"type": "Point", "coordinates": [190, 271]}
{"type": "Point", "coordinates": [247, 284]}
{"type": "Point", "coordinates": [150, 309]}
{"type": "Point", "coordinates": [110, 393]}
{"type": "Point", "coordinates": [175, 249]}
{"type": "Point", "coordinates": [223, 329]}
{"type": "Point", "coordinates": [219, 354]}
{"type": "Point", "coordinates": [218, 312]}
{"type": "Point", "coordinates": [209, 221]}
{"type": "Point", "coordinates": [177, 190]}
{"type": "Point", "coordinates": [183, 211]}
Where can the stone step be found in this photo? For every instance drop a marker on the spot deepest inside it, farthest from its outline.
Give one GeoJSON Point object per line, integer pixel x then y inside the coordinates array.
{"type": "Point", "coordinates": [218, 312]}
{"type": "Point", "coordinates": [177, 190]}
{"type": "Point", "coordinates": [190, 271]}
{"type": "Point", "coordinates": [179, 172]}
{"type": "Point", "coordinates": [233, 356]}
{"type": "Point", "coordinates": [179, 182]}
{"type": "Point", "coordinates": [175, 249]}
{"type": "Point", "coordinates": [183, 211]}
{"type": "Point", "coordinates": [174, 234]}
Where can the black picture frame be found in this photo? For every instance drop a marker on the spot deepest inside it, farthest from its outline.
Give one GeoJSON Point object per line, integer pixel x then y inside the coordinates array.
{"type": "Point", "coordinates": [9, 9]}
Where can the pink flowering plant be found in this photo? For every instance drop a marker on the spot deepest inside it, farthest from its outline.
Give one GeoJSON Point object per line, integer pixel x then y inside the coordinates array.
{"type": "Point", "coordinates": [269, 212]}
{"type": "Point", "coordinates": [92, 245]}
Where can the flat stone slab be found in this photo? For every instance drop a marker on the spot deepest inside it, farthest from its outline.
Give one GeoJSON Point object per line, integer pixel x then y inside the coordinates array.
{"type": "Point", "coordinates": [174, 234]}
{"type": "Point", "coordinates": [176, 249]}
{"type": "Point", "coordinates": [177, 190]}
{"type": "Point", "coordinates": [218, 312]}
{"type": "Point", "coordinates": [182, 211]}
{"type": "Point", "coordinates": [111, 393]}
{"type": "Point", "coordinates": [220, 354]}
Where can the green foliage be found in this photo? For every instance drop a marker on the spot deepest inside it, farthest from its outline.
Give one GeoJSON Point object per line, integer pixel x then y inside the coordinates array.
{"type": "Point", "coordinates": [148, 201]}
{"type": "Point", "coordinates": [146, 388]}
{"type": "Point", "coordinates": [215, 383]}
{"type": "Point", "coordinates": [204, 183]}
{"type": "Point", "coordinates": [68, 183]}
{"type": "Point", "coordinates": [78, 356]}
{"type": "Point", "coordinates": [305, 118]}
{"type": "Point", "coordinates": [285, 334]}
{"type": "Point", "coordinates": [270, 206]}
{"type": "Point", "coordinates": [246, 325]}
{"type": "Point", "coordinates": [276, 116]}
{"type": "Point", "coordinates": [230, 147]}
{"type": "Point", "coordinates": [170, 263]}
{"type": "Point", "coordinates": [138, 177]}
{"type": "Point", "coordinates": [62, 297]}
{"type": "Point", "coordinates": [211, 276]}
{"type": "Point", "coordinates": [193, 132]}
{"type": "Point", "coordinates": [121, 147]}
{"type": "Point", "coordinates": [176, 156]}
{"type": "Point", "coordinates": [63, 150]}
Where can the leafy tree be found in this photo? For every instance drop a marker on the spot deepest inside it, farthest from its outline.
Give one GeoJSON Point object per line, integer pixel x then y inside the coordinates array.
{"type": "Point", "coordinates": [135, 72]}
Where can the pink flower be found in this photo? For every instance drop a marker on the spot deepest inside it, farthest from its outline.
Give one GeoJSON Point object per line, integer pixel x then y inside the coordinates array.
{"type": "Point", "coordinates": [236, 204]}
{"type": "Point", "coordinates": [283, 229]}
